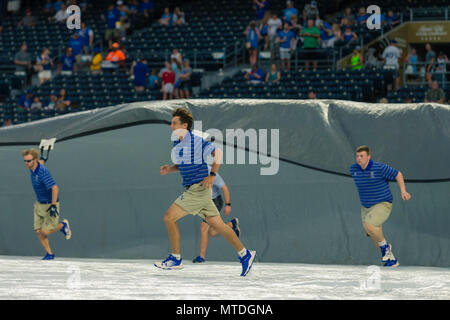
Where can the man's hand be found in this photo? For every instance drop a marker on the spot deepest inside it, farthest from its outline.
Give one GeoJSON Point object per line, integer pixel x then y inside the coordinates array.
{"type": "Point", "coordinates": [164, 169]}
{"type": "Point", "coordinates": [208, 181]}
{"type": "Point", "coordinates": [227, 210]}
{"type": "Point", "coordinates": [405, 195]}
{"type": "Point", "coordinates": [53, 210]}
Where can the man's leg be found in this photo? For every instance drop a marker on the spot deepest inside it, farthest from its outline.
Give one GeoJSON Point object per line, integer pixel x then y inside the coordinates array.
{"type": "Point", "coordinates": [375, 233]}
{"type": "Point", "coordinates": [217, 223]}
{"type": "Point", "coordinates": [43, 238]}
{"type": "Point", "coordinates": [173, 214]}
{"type": "Point", "coordinates": [205, 230]}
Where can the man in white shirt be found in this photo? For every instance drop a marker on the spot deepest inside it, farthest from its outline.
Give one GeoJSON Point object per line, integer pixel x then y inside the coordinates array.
{"type": "Point", "coordinates": [390, 55]}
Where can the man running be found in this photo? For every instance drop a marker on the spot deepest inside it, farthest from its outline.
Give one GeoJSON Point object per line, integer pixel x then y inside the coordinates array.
{"type": "Point", "coordinates": [190, 152]}
{"type": "Point", "coordinates": [46, 209]}
{"type": "Point", "coordinates": [372, 181]}
{"type": "Point", "coordinates": [205, 230]}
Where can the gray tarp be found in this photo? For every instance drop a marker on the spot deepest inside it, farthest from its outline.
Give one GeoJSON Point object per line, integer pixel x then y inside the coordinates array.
{"type": "Point", "coordinates": [320, 134]}
{"type": "Point", "coordinates": [115, 198]}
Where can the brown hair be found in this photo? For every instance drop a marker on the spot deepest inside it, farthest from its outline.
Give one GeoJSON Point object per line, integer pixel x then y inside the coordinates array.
{"type": "Point", "coordinates": [32, 152]}
{"type": "Point", "coordinates": [185, 116]}
{"type": "Point", "coordinates": [363, 148]}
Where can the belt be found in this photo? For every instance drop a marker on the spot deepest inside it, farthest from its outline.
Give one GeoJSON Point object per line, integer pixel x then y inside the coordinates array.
{"type": "Point", "coordinates": [49, 202]}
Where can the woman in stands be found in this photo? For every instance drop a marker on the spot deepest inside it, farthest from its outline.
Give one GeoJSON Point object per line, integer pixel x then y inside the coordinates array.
{"type": "Point", "coordinates": [252, 34]}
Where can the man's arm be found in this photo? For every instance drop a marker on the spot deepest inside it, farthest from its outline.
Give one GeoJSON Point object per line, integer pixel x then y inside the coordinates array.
{"type": "Point", "coordinates": [166, 169]}
{"type": "Point", "coordinates": [55, 191]}
{"type": "Point", "coordinates": [401, 184]}
{"type": "Point", "coordinates": [226, 196]}
{"type": "Point", "coordinates": [217, 160]}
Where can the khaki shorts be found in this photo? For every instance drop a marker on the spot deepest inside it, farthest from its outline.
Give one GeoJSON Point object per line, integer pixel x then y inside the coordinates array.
{"type": "Point", "coordinates": [377, 214]}
{"type": "Point", "coordinates": [42, 219]}
{"type": "Point", "coordinates": [197, 200]}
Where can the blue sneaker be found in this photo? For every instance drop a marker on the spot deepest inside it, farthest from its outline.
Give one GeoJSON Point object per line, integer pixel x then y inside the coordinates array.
{"type": "Point", "coordinates": [198, 260]}
{"type": "Point", "coordinates": [66, 229]}
{"type": "Point", "coordinates": [170, 263]}
{"type": "Point", "coordinates": [391, 263]}
{"type": "Point", "coordinates": [386, 252]}
{"type": "Point", "coordinates": [48, 256]}
{"type": "Point", "coordinates": [235, 227]}
{"type": "Point", "coordinates": [247, 262]}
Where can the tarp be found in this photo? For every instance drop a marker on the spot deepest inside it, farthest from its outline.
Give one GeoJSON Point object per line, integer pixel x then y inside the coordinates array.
{"type": "Point", "coordinates": [318, 134]}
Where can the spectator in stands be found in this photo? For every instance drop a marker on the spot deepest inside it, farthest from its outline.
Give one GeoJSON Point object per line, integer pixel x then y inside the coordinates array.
{"type": "Point", "coordinates": [116, 55]}
{"type": "Point", "coordinates": [350, 16]}
{"type": "Point", "coordinates": [349, 36]}
{"type": "Point", "coordinates": [166, 18]}
{"type": "Point", "coordinates": [153, 80]}
{"type": "Point", "coordinates": [68, 63]}
{"type": "Point", "coordinates": [296, 29]}
{"type": "Point", "coordinates": [357, 59]}
{"type": "Point", "coordinates": [390, 55]}
{"type": "Point", "coordinates": [36, 105]}
{"type": "Point", "coordinates": [371, 59]}
{"type": "Point", "coordinates": [48, 8]}
{"type": "Point", "coordinates": [141, 72]}
{"type": "Point", "coordinates": [430, 59]}
{"type": "Point", "coordinates": [176, 55]}
{"type": "Point", "coordinates": [435, 94]}
{"type": "Point", "coordinates": [261, 7]}
{"type": "Point", "coordinates": [441, 65]}
{"type": "Point", "coordinates": [310, 11]}
{"type": "Point", "coordinates": [178, 17]}
{"type": "Point", "coordinates": [255, 76]}
{"type": "Point", "coordinates": [61, 15]}
{"type": "Point", "coordinates": [168, 81]}
{"type": "Point", "coordinates": [284, 38]}
{"type": "Point", "coordinates": [176, 67]}
{"type": "Point", "coordinates": [96, 61]}
{"type": "Point", "coordinates": [274, 23]}
{"type": "Point", "coordinates": [185, 80]}
{"type": "Point", "coordinates": [28, 21]}
{"type": "Point", "coordinates": [7, 122]}
{"type": "Point", "coordinates": [22, 60]}
{"type": "Point", "coordinates": [77, 46]}
{"type": "Point", "coordinates": [252, 35]}
{"type": "Point", "coordinates": [63, 102]}
{"type": "Point", "coordinates": [327, 35]}
{"type": "Point", "coordinates": [44, 66]}
{"type": "Point", "coordinates": [289, 11]}
{"type": "Point", "coordinates": [337, 31]}
{"type": "Point", "coordinates": [311, 36]}
{"type": "Point", "coordinates": [312, 95]}
{"type": "Point", "coordinates": [362, 16]}
{"type": "Point", "coordinates": [124, 22]}
{"type": "Point", "coordinates": [383, 100]}
{"type": "Point", "coordinates": [25, 101]}
{"type": "Point", "coordinates": [264, 31]}
{"type": "Point", "coordinates": [408, 100]}
{"type": "Point", "coordinates": [112, 17]}
{"type": "Point", "coordinates": [87, 37]}
{"type": "Point", "coordinates": [51, 104]}
{"type": "Point", "coordinates": [146, 7]}
{"type": "Point", "coordinates": [57, 5]}
{"type": "Point", "coordinates": [392, 19]}
{"type": "Point", "coordinates": [411, 61]}
{"type": "Point", "coordinates": [273, 76]}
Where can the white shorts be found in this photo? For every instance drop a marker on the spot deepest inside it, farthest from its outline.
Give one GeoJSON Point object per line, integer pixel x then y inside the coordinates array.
{"type": "Point", "coordinates": [168, 88]}
{"type": "Point", "coordinates": [285, 53]}
{"type": "Point", "coordinates": [45, 74]}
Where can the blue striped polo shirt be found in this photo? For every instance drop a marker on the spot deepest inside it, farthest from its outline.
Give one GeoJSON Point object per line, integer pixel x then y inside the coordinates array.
{"type": "Point", "coordinates": [373, 182]}
{"type": "Point", "coordinates": [42, 182]}
{"type": "Point", "coordinates": [191, 154]}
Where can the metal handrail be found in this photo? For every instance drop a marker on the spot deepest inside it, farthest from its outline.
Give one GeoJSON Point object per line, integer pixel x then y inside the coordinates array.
{"type": "Point", "coordinates": [421, 74]}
